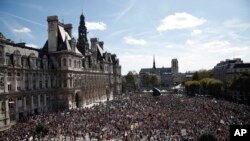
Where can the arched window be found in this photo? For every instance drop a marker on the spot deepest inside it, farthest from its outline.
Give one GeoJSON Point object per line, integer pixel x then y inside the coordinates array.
{"type": "Point", "coordinates": [45, 62]}
{"type": "Point", "coordinates": [24, 61]}
{"type": "Point", "coordinates": [3, 107]}
{"type": "Point", "coordinates": [17, 58]}
{"type": "Point", "coordinates": [32, 60]}
{"type": "Point", "coordinates": [79, 64]}
{"type": "Point", "coordinates": [8, 59]}
{"type": "Point", "coordinates": [59, 62]}
{"type": "Point", "coordinates": [75, 63]}
{"type": "Point", "coordinates": [64, 62]}
{"type": "Point", "coordinates": [69, 62]}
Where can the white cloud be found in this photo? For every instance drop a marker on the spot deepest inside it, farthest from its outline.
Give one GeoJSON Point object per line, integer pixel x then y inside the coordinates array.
{"type": "Point", "coordinates": [236, 23]}
{"type": "Point", "coordinates": [180, 21]}
{"type": "Point", "coordinates": [133, 41]}
{"type": "Point", "coordinates": [223, 47]}
{"type": "Point", "coordinates": [216, 44]}
{"type": "Point", "coordinates": [96, 26]}
{"type": "Point", "coordinates": [22, 30]}
{"type": "Point", "coordinates": [122, 13]}
{"type": "Point", "coordinates": [169, 46]}
{"type": "Point", "coordinates": [23, 33]}
{"type": "Point", "coordinates": [205, 55]}
{"type": "Point", "coordinates": [190, 42]}
{"type": "Point", "coordinates": [32, 45]}
{"type": "Point", "coordinates": [196, 32]}
{"type": "Point", "coordinates": [25, 19]}
{"type": "Point", "coordinates": [135, 62]}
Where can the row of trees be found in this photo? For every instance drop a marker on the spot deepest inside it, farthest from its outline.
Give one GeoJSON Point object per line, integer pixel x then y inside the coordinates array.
{"type": "Point", "coordinates": [204, 83]}
{"type": "Point", "coordinates": [150, 80]}
{"type": "Point", "coordinates": [204, 86]}
{"type": "Point", "coordinates": [131, 81]}
{"type": "Point", "coordinates": [241, 86]}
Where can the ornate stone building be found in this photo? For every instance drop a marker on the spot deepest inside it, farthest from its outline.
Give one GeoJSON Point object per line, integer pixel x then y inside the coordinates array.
{"type": "Point", "coordinates": [167, 76]}
{"type": "Point", "coordinates": [230, 69]}
{"type": "Point", "coordinates": [66, 73]}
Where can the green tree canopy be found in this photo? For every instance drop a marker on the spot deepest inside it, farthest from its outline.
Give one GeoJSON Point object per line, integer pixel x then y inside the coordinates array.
{"type": "Point", "coordinates": [149, 79]}
{"type": "Point", "coordinates": [198, 75]}
{"type": "Point", "coordinates": [242, 86]}
{"type": "Point", "coordinates": [131, 79]}
{"type": "Point", "coordinates": [154, 80]}
{"type": "Point", "coordinates": [192, 87]}
{"type": "Point", "coordinates": [145, 78]}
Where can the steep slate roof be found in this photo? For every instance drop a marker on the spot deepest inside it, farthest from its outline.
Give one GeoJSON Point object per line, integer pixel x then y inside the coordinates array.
{"type": "Point", "coordinates": [100, 50]}
{"type": "Point", "coordinates": [157, 70]}
{"type": "Point", "coordinates": [64, 34]}
{"type": "Point", "coordinates": [63, 40]}
{"type": "Point", "coordinates": [244, 65]}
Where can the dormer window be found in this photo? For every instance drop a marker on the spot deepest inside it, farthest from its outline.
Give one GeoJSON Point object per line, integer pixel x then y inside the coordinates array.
{"type": "Point", "coordinates": [7, 60]}
{"type": "Point", "coordinates": [17, 58]}
{"type": "Point", "coordinates": [24, 61]}
{"type": "Point", "coordinates": [32, 60]}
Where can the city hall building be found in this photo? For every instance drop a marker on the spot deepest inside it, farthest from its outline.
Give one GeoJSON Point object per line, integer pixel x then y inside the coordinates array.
{"type": "Point", "coordinates": [66, 73]}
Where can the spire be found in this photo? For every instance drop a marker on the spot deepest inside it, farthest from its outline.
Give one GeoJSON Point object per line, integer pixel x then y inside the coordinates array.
{"type": "Point", "coordinates": [82, 36]}
{"type": "Point", "coordinates": [154, 63]}
{"type": "Point", "coordinates": [82, 20]}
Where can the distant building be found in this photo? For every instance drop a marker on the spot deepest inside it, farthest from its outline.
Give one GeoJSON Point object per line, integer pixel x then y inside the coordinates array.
{"type": "Point", "coordinates": [66, 73]}
{"type": "Point", "coordinates": [230, 70]}
{"type": "Point", "coordinates": [189, 75]}
{"type": "Point", "coordinates": [167, 76]}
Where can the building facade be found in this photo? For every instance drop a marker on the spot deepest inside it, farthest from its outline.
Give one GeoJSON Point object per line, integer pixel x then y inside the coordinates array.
{"type": "Point", "coordinates": [230, 69]}
{"type": "Point", "coordinates": [66, 73]}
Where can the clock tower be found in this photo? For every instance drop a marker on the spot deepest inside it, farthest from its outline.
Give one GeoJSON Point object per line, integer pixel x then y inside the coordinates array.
{"type": "Point", "coordinates": [82, 44]}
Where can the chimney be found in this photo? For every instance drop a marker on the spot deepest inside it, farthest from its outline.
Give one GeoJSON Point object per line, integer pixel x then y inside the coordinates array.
{"type": "Point", "coordinates": [73, 44]}
{"type": "Point", "coordinates": [101, 43]}
{"type": "Point", "coordinates": [52, 33]}
{"type": "Point", "coordinates": [68, 28]}
{"type": "Point", "coordinates": [93, 40]}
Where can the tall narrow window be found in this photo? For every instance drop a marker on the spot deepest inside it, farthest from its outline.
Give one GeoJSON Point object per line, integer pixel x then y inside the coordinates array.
{"type": "Point", "coordinates": [41, 84]}
{"type": "Point", "coordinates": [46, 83]}
{"type": "Point", "coordinates": [69, 62]}
{"type": "Point", "coordinates": [65, 83]}
{"type": "Point", "coordinates": [74, 63]}
{"type": "Point", "coordinates": [9, 87]}
{"type": "Point", "coordinates": [59, 62]}
{"type": "Point", "coordinates": [34, 84]}
{"type": "Point", "coordinates": [8, 61]}
{"type": "Point", "coordinates": [64, 62]}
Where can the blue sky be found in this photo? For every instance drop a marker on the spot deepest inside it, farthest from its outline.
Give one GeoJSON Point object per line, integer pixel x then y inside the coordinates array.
{"type": "Point", "coordinates": [199, 33]}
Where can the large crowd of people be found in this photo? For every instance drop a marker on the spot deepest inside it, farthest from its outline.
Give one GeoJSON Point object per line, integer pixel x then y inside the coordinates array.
{"type": "Point", "coordinates": [138, 117]}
